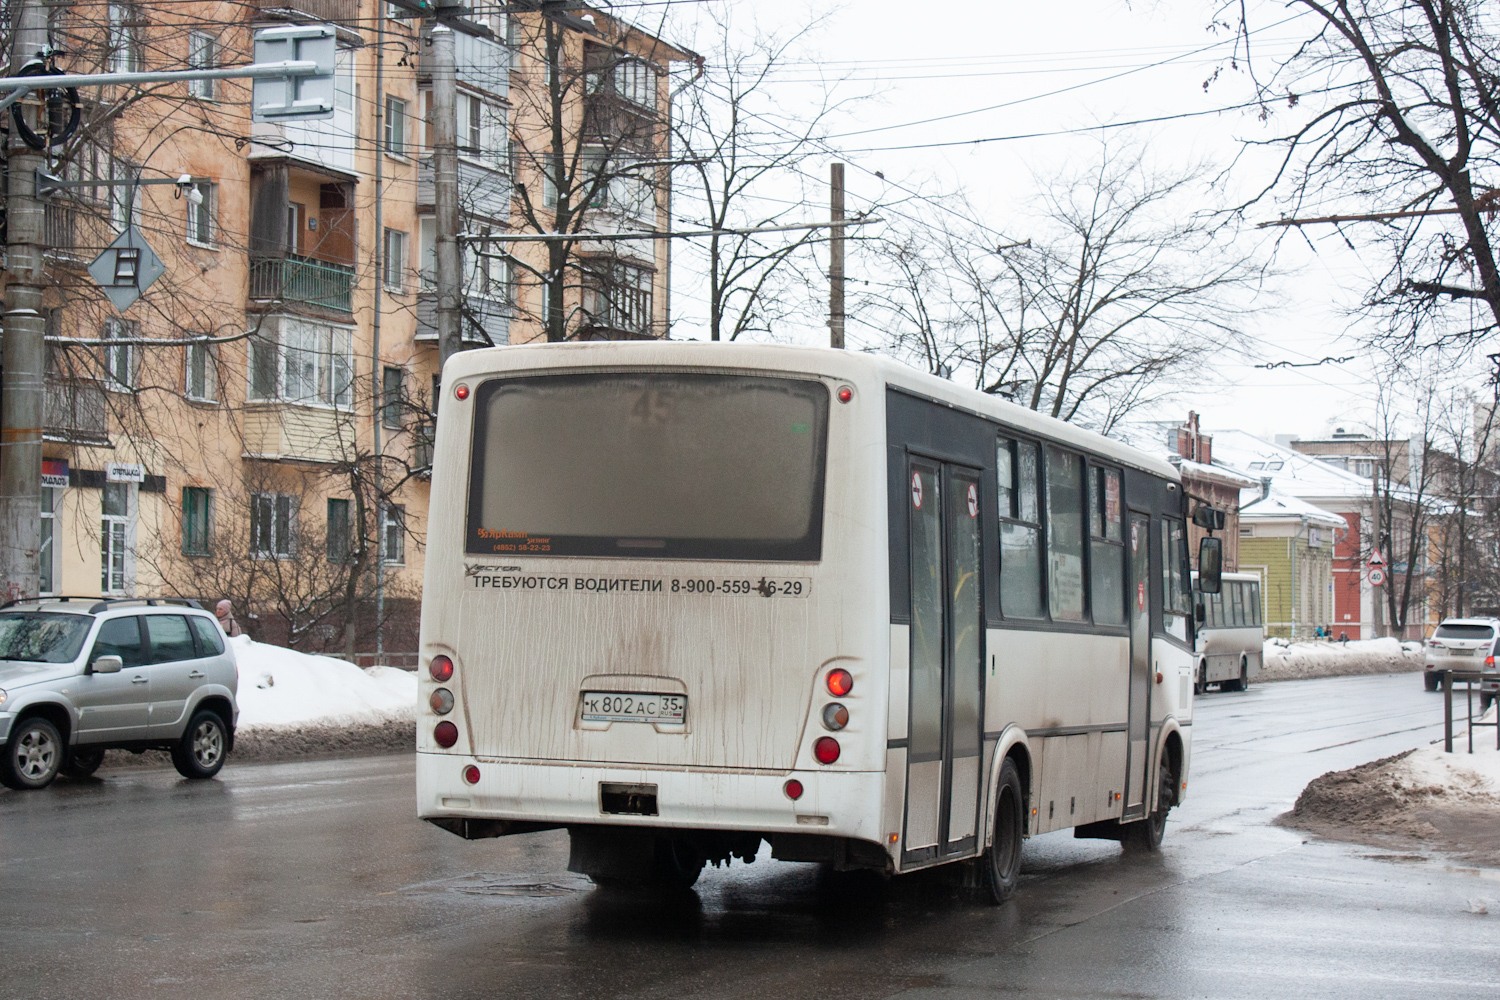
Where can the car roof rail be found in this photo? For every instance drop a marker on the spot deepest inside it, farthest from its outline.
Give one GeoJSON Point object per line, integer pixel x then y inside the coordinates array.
{"type": "Point", "coordinates": [105, 603]}
{"type": "Point", "coordinates": [49, 598]}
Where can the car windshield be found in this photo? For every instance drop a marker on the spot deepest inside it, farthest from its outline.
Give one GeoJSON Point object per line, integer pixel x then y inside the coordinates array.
{"type": "Point", "coordinates": [41, 637]}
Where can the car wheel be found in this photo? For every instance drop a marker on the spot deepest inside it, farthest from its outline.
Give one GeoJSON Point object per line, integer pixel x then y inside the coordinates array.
{"type": "Point", "coordinates": [33, 755]}
{"type": "Point", "coordinates": [1486, 699]}
{"type": "Point", "coordinates": [1001, 864]}
{"type": "Point", "coordinates": [1430, 680]}
{"type": "Point", "coordinates": [82, 762]}
{"type": "Point", "coordinates": [1147, 834]}
{"type": "Point", "coordinates": [201, 751]}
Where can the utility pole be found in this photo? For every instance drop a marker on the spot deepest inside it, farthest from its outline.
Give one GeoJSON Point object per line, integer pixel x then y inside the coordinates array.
{"type": "Point", "coordinates": [1377, 593]}
{"type": "Point", "coordinates": [836, 256]}
{"type": "Point", "coordinates": [22, 403]}
{"type": "Point", "coordinates": [449, 276]}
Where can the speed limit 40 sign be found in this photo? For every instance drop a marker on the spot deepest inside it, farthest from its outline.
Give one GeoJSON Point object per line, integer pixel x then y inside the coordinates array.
{"type": "Point", "coordinates": [1377, 576]}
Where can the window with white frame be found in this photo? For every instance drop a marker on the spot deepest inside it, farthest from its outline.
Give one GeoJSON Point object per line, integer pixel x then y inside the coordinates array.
{"type": "Point", "coordinates": [486, 275]}
{"type": "Point", "coordinates": [625, 77]}
{"type": "Point", "coordinates": [393, 270]}
{"type": "Point", "coordinates": [201, 377]}
{"type": "Point", "coordinates": [49, 549]}
{"type": "Point", "coordinates": [395, 126]}
{"type": "Point", "coordinates": [124, 199]}
{"type": "Point", "coordinates": [203, 53]}
{"type": "Point", "coordinates": [481, 137]}
{"type": "Point", "coordinates": [124, 39]}
{"type": "Point", "coordinates": [626, 187]}
{"type": "Point", "coordinates": [303, 363]}
{"type": "Point", "coordinates": [119, 358]}
{"type": "Point", "coordinates": [617, 296]}
{"type": "Point", "coordinates": [393, 534]}
{"type": "Point", "coordinates": [116, 505]}
{"type": "Point", "coordinates": [200, 212]}
{"type": "Point", "coordinates": [273, 525]}
{"type": "Point", "coordinates": [427, 233]}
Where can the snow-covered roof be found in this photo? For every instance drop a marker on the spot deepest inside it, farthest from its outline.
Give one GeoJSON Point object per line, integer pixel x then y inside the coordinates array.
{"type": "Point", "coordinates": [1280, 506]}
{"type": "Point", "coordinates": [1290, 472]}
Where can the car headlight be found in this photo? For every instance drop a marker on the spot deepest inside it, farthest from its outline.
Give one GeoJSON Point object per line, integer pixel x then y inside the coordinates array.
{"type": "Point", "coordinates": [2, 697]}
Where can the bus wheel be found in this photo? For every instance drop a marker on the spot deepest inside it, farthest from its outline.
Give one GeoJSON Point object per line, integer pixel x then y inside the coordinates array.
{"type": "Point", "coordinates": [1002, 862]}
{"type": "Point", "coordinates": [1244, 674]}
{"type": "Point", "coordinates": [1146, 834]}
{"type": "Point", "coordinates": [678, 864]}
{"type": "Point", "coordinates": [1200, 682]}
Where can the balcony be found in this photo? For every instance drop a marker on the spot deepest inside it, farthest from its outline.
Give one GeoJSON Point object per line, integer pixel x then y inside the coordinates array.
{"type": "Point", "coordinates": [75, 410]}
{"type": "Point", "coordinates": [343, 11]}
{"type": "Point", "coordinates": [293, 280]}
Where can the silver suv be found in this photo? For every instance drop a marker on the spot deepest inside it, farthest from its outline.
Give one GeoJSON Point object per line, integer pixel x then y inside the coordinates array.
{"type": "Point", "coordinates": [79, 676]}
{"type": "Point", "coordinates": [1459, 644]}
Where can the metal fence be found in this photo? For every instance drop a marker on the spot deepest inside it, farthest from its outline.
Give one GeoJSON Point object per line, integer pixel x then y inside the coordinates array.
{"type": "Point", "coordinates": [1468, 683]}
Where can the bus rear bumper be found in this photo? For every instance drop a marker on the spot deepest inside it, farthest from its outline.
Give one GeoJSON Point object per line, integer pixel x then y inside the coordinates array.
{"type": "Point", "coordinates": [833, 803]}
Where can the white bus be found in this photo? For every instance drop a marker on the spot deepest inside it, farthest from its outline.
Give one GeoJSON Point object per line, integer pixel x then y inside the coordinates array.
{"type": "Point", "coordinates": [1232, 637]}
{"type": "Point", "coordinates": [683, 599]}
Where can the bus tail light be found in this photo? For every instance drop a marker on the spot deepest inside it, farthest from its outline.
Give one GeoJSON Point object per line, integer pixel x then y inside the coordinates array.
{"type": "Point", "coordinates": [471, 774]}
{"type": "Point", "coordinates": [441, 701]}
{"type": "Point", "coordinates": [446, 734]}
{"type": "Point", "coordinates": [835, 716]}
{"type": "Point", "coordinates": [441, 668]}
{"type": "Point", "coordinates": [793, 789]}
{"type": "Point", "coordinates": [840, 682]}
{"type": "Point", "coordinates": [825, 749]}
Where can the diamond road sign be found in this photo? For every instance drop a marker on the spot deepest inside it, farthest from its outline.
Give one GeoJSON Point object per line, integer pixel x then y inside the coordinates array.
{"type": "Point", "coordinates": [126, 268]}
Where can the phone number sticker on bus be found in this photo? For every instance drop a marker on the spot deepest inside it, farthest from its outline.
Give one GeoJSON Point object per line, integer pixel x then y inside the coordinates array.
{"type": "Point", "coordinates": [766, 586]}
{"type": "Point", "coordinates": [619, 706]}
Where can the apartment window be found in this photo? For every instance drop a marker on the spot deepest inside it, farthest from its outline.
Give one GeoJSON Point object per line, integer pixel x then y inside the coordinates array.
{"type": "Point", "coordinates": [630, 79]}
{"type": "Point", "coordinates": [427, 233]}
{"type": "Point", "coordinates": [303, 363]}
{"type": "Point", "coordinates": [393, 269]}
{"type": "Point", "coordinates": [200, 212]}
{"type": "Point", "coordinates": [617, 296]}
{"type": "Point", "coordinates": [202, 371]}
{"type": "Point", "coordinates": [392, 397]}
{"type": "Point", "coordinates": [124, 40]}
{"type": "Point", "coordinates": [339, 530]}
{"type": "Point", "coordinates": [471, 126]}
{"type": "Point", "coordinates": [203, 53]}
{"type": "Point", "coordinates": [273, 525]}
{"type": "Point", "coordinates": [395, 126]}
{"type": "Point", "coordinates": [393, 534]}
{"type": "Point", "coordinates": [197, 520]}
{"type": "Point", "coordinates": [119, 358]}
{"type": "Point", "coordinates": [50, 576]}
{"type": "Point", "coordinates": [485, 276]}
{"type": "Point", "coordinates": [114, 534]}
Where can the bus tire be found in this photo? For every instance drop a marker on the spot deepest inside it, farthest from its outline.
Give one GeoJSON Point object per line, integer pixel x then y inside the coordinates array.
{"type": "Point", "coordinates": [1244, 674]}
{"type": "Point", "coordinates": [1146, 834]}
{"type": "Point", "coordinates": [1001, 864]}
{"type": "Point", "coordinates": [1200, 680]}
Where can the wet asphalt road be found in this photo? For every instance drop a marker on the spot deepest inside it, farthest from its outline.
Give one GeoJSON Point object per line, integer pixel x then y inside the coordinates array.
{"type": "Point", "coordinates": [315, 880]}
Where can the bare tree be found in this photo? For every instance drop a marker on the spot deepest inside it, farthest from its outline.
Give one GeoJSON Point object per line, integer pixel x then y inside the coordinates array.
{"type": "Point", "coordinates": [1113, 301]}
{"type": "Point", "coordinates": [744, 149]}
{"type": "Point", "coordinates": [590, 129]}
{"type": "Point", "coordinates": [1393, 132]}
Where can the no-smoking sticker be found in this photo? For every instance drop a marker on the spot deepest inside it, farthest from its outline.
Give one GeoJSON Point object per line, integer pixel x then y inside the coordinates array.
{"type": "Point", "coordinates": [916, 490]}
{"type": "Point", "coordinates": [973, 500]}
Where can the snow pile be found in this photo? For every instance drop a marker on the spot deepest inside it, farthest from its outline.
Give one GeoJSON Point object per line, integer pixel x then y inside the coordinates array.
{"type": "Point", "coordinates": [1285, 661]}
{"type": "Point", "coordinates": [282, 688]}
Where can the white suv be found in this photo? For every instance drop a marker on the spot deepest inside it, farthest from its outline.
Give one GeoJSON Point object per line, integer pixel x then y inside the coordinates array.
{"type": "Point", "coordinates": [79, 676]}
{"type": "Point", "coordinates": [1459, 644]}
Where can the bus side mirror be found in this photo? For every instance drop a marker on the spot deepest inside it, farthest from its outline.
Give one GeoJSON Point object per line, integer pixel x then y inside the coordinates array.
{"type": "Point", "coordinates": [1210, 564]}
{"type": "Point", "coordinates": [1208, 517]}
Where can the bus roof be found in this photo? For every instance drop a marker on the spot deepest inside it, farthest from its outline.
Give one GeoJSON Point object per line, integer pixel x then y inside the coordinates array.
{"type": "Point", "coordinates": [822, 361]}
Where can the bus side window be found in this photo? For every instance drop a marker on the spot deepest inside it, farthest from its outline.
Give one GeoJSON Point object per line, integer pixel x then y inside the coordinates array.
{"type": "Point", "coordinates": [1107, 548]}
{"type": "Point", "coordinates": [1065, 526]}
{"type": "Point", "coordinates": [1173, 579]}
{"type": "Point", "coordinates": [1255, 604]}
{"type": "Point", "coordinates": [1016, 486]}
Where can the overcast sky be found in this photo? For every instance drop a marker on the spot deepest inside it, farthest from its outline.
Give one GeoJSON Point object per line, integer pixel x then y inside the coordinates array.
{"type": "Point", "coordinates": [985, 95]}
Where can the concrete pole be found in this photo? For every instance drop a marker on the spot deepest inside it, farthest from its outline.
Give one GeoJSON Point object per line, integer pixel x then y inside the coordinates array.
{"type": "Point", "coordinates": [22, 411]}
{"type": "Point", "coordinates": [1377, 594]}
{"type": "Point", "coordinates": [836, 257]}
{"type": "Point", "coordinates": [449, 277]}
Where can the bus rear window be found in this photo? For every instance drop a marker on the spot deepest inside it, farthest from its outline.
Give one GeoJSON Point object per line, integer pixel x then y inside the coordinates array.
{"type": "Point", "coordinates": [649, 465]}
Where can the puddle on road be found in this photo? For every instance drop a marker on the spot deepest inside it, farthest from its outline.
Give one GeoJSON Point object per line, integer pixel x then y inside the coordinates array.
{"type": "Point", "coordinates": [532, 886]}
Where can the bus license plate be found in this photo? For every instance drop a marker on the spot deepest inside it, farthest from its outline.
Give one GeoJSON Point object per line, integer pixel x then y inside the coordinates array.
{"type": "Point", "coordinates": [615, 706]}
